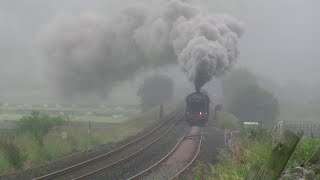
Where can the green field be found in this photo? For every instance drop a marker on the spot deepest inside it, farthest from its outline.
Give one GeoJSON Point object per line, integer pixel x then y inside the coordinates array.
{"type": "Point", "coordinates": [110, 115]}
{"type": "Point", "coordinates": [54, 145]}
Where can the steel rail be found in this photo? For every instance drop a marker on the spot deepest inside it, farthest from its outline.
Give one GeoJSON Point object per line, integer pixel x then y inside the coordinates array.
{"type": "Point", "coordinates": [146, 171]}
{"type": "Point", "coordinates": [127, 157]}
{"type": "Point", "coordinates": [191, 162]}
{"type": "Point", "coordinates": [87, 162]}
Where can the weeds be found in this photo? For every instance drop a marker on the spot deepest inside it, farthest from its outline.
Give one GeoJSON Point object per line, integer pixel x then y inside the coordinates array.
{"type": "Point", "coordinates": [42, 142]}
{"type": "Point", "coordinates": [201, 171]}
{"type": "Point", "coordinates": [303, 152]}
{"type": "Point", "coordinates": [12, 152]}
{"type": "Point", "coordinates": [4, 163]}
{"type": "Point", "coordinates": [39, 124]}
{"type": "Point", "coordinates": [253, 148]}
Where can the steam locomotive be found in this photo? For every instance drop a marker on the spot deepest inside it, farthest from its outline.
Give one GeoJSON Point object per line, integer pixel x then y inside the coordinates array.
{"type": "Point", "coordinates": [197, 111]}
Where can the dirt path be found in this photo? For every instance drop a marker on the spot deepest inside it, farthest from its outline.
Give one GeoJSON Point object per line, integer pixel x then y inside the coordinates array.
{"type": "Point", "coordinates": [186, 149]}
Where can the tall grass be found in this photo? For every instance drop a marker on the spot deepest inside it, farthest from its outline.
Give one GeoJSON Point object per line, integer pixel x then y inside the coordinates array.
{"type": "Point", "coordinates": [46, 144]}
{"type": "Point", "coordinates": [39, 124]}
{"type": "Point", "coordinates": [14, 154]}
{"type": "Point", "coordinates": [303, 152]}
{"type": "Point", "coordinates": [4, 162]}
{"type": "Point", "coordinates": [254, 149]}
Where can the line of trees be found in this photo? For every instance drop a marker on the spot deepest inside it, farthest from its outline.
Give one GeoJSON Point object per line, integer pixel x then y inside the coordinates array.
{"type": "Point", "coordinates": [247, 100]}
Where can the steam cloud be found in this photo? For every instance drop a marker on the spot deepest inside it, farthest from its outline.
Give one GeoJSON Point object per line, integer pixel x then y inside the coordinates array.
{"type": "Point", "coordinates": [91, 53]}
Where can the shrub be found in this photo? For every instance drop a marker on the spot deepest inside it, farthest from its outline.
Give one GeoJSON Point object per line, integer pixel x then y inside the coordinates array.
{"type": "Point", "coordinates": [31, 146]}
{"type": "Point", "coordinates": [247, 152]}
{"type": "Point", "coordinates": [228, 121]}
{"type": "Point", "coordinates": [13, 153]}
{"type": "Point", "coordinates": [254, 149]}
{"type": "Point", "coordinates": [38, 124]}
{"type": "Point", "coordinates": [54, 146]}
{"type": "Point", "coordinates": [201, 171]}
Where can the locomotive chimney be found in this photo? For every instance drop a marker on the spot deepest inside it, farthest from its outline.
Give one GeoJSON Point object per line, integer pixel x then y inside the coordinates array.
{"type": "Point", "coordinates": [197, 90]}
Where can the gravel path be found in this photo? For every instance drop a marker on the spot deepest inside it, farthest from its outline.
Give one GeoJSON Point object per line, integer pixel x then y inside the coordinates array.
{"type": "Point", "coordinates": [186, 148]}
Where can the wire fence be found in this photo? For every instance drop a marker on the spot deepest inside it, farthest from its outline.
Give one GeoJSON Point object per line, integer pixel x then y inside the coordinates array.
{"type": "Point", "coordinates": [305, 129]}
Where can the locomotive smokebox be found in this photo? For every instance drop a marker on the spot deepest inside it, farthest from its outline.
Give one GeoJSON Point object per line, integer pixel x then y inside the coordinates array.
{"type": "Point", "coordinates": [197, 110]}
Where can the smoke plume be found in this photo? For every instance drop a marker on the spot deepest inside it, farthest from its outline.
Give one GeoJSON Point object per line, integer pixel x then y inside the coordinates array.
{"type": "Point", "coordinates": [90, 53]}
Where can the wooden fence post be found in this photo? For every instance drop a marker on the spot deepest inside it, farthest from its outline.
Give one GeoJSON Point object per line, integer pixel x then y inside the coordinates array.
{"type": "Point", "coordinates": [277, 160]}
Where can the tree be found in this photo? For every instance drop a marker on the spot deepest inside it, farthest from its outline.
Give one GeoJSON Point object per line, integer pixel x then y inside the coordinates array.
{"type": "Point", "coordinates": [253, 103]}
{"type": "Point", "coordinates": [236, 80]}
{"type": "Point", "coordinates": [247, 100]}
{"type": "Point", "coordinates": [38, 124]}
{"type": "Point", "coordinates": [155, 90]}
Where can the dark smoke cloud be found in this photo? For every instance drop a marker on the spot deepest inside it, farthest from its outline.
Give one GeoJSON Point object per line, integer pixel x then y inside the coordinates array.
{"type": "Point", "coordinates": [210, 48]}
{"type": "Point", "coordinates": [91, 53]}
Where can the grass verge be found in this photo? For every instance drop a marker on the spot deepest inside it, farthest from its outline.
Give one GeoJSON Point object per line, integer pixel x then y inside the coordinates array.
{"type": "Point", "coordinates": [250, 150]}
{"type": "Point", "coordinates": [55, 146]}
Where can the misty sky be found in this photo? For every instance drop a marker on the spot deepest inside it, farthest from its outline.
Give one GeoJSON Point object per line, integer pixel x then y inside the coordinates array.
{"type": "Point", "coordinates": [281, 40]}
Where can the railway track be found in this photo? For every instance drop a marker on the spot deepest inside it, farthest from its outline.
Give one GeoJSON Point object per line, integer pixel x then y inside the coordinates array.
{"type": "Point", "coordinates": [180, 173]}
{"type": "Point", "coordinates": [117, 156]}
{"type": "Point", "coordinates": [170, 167]}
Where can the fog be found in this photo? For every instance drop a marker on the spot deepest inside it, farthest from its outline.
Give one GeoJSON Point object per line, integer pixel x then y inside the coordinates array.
{"type": "Point", "coordinates": [279, 42]}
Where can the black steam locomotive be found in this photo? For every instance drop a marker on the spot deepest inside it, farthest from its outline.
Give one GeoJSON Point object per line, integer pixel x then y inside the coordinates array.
{"type": "Point", "coordinates": [197, 111]}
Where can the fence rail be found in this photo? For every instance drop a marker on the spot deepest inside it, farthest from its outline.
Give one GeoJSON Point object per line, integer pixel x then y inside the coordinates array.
{"type": "Point", "coordinates": [311, 129]}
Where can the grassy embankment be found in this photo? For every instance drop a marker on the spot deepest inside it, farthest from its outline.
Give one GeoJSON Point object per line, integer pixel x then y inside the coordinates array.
{"type": "Point", "coordinates": [250, 151]}
{"type": "Point", "coordinates": [77, 137]}
{"type": "Point", "coordinates": [252, 147]}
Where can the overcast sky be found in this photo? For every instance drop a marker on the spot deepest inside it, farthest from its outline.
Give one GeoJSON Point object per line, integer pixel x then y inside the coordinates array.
{"type": "Point", "coordinates": [281, 39]}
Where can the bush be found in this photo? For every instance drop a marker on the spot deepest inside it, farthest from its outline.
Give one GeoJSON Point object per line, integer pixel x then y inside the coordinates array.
{"type": "Point", "coordinates": [31, 146]}
{"type": "Point", "coordinates": [228, 121]}
{"type": "Point", "coordinates": [54, 146]}
{"type": "Point", "coordinates": [252, 150]}
{"type": "Point", "coordinates": [246, 152]}
{"type": "Point", "coordinates": [13, 153]}
{"type": "Point", "coordinates": [38, 124]}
